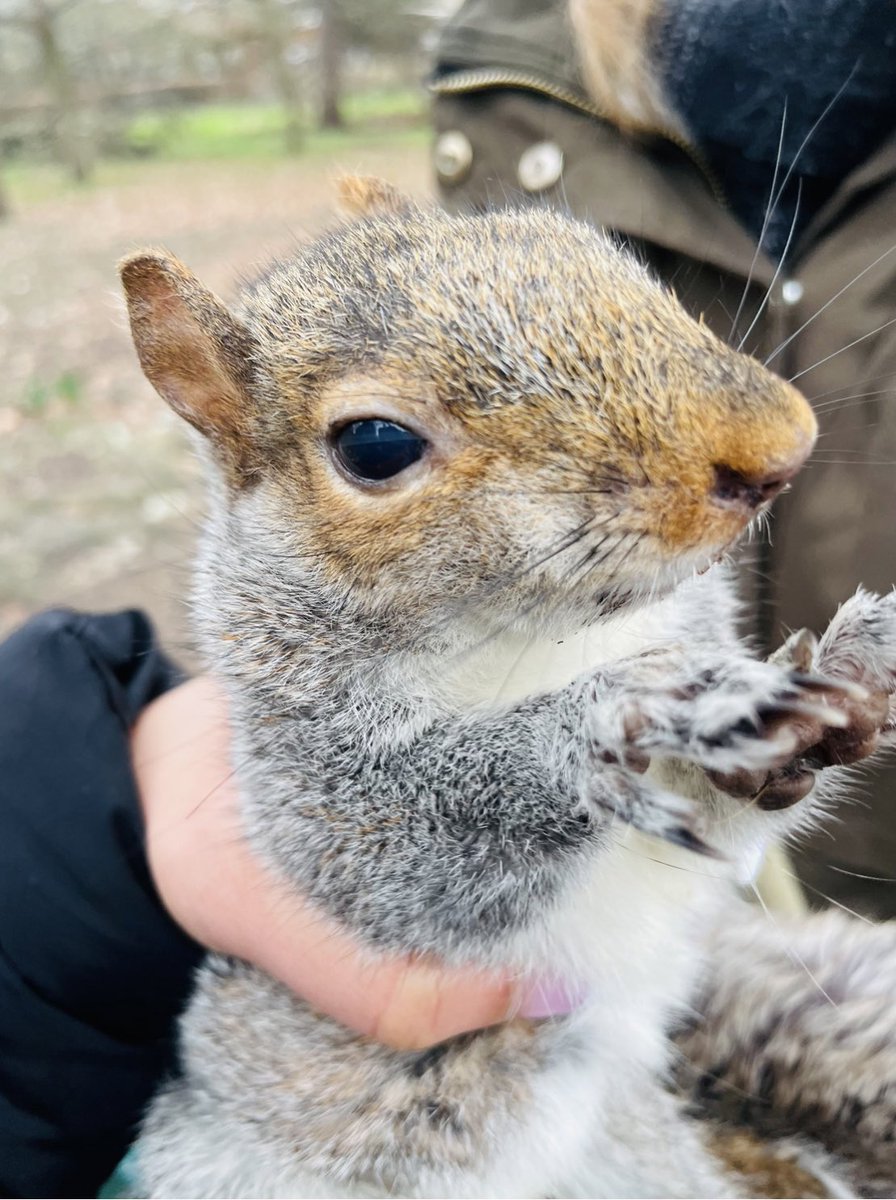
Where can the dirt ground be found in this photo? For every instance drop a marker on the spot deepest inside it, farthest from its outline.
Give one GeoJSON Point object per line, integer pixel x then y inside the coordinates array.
{"type": "Point", "coordinates": [99, 494]}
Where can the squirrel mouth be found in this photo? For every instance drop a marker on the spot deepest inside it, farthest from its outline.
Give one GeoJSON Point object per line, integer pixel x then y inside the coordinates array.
{"type": "Point", "coordinates": [719, 556]}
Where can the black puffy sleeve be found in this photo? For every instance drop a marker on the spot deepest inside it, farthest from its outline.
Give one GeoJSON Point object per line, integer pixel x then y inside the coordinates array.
{"type": "Point", "coordinates": [93, 972]}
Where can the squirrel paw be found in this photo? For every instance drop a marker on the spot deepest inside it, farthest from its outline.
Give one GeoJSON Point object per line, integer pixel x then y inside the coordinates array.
{"type": "Point", "coordinates": [860, 645]}
{"type": "Point", "coordinates": [738, 716]}
{"type": "Point", "coordinates": [857, 654]}
{"type": "Point", "coordinates": [619, 794]}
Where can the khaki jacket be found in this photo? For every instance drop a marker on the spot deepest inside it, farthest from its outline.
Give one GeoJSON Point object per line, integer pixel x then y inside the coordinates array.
{"type": "Point", "coordinates": [510, 87]}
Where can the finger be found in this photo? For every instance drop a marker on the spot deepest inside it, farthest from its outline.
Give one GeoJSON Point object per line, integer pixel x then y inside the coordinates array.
{"type": "Point", "coordinates": [860, 737]}
{"type": "Point", "coordinates": [804, 731]}
{"type": "Point", "coordinates": [217, 890]}
{"type": "Point", "coordinates": [798, 651]}
{"type": "Point", "coordinates": [407, 1003]}
{"type": "Point", "coordinates": [428, 1004]}
{"type": "Point", "coordinates": [822, 709]}
{"type": "Point", "coordinates": [871, 715]}
{"type": "Point", "coordinates": [811, 682]}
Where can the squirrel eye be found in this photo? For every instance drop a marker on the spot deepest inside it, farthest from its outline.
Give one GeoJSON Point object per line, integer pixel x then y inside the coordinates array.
{"type": "Point", "coordinates": [374, 450]}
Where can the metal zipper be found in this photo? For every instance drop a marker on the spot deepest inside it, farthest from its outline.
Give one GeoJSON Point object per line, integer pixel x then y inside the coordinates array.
{"type": "Point", "coordinates": [460, 82]}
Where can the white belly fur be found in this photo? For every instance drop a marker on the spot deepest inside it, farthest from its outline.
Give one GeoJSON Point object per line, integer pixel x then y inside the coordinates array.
{"type": "Point", "coordinates": [615, 931]}
{"type": "Point", "coordinates": [509, 666]}
{"type": "Point", "coordinates": [629, 934]}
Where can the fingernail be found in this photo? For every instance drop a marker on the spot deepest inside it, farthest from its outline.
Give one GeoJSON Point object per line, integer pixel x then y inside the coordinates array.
{"type": "Point", "coordinates": [552, 998]}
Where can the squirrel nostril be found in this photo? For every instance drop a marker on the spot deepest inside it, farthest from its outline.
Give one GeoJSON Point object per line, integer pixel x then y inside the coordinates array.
{"type": "Point", "coordinates": [749, 491]}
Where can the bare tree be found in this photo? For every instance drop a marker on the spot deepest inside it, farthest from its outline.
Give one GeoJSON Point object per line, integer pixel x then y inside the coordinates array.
{"type": "Point", "coordinates": [73, 147]}
{"type": "Point", "coordinates": [332, 48]}
{"type": "Point", "coordinates": [275, 28]}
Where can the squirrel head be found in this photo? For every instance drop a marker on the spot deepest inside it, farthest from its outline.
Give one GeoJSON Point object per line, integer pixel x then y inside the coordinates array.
{"type": "Point", "coordinates": [502, 410]}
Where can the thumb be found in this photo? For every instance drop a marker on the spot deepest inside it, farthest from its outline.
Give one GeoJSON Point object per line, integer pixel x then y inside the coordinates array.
{"type": "Point", "coordinates": [405, 1002]}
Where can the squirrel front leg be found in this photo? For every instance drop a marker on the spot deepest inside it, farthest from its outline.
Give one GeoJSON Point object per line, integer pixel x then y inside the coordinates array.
{"type": "Point", "coordinates": [468, 830]}
{"type": "Point", "coordinates": [452, 838]}
{"type": "Point", "coordinates": [754, 738]}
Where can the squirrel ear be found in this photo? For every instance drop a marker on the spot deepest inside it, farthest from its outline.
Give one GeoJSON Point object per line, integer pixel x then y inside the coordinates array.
{"type": "Point", "coordinates": [195, 354]}
{"type": "Point", "coordinates": [365, 196]}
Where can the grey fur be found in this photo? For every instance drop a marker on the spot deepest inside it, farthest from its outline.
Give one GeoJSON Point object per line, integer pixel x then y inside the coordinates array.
{"type": "Point", "coordinates": [795, 1035]}
{"type": "Point", "coordinates": [504, 832]}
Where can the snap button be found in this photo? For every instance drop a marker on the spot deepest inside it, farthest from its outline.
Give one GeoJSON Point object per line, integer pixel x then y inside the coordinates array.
{"type": "Point", "coordinates": [792, 291]}
{"type": "Point", "coordinates": [540, 166]}
{"type": "Point", "coordinates": [452, 156]}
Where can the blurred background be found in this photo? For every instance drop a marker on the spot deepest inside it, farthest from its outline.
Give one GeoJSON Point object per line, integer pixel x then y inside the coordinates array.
{"type": "Point", "coordinates": [214, 128]}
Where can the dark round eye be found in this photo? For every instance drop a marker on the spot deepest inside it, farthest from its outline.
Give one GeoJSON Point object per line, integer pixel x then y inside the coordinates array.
{"type": "Point", "coordinates": [376, 450]}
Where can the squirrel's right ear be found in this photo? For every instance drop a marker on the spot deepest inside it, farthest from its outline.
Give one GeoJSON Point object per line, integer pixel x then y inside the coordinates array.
{"type": "Point", "coordinates": [367, 196]}
{"type": "Point", "coordinates": [196, 355]}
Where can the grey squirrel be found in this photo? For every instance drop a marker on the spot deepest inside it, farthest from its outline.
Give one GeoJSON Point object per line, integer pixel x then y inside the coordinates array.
{"type": "Point", "coordinates": [470, 482]}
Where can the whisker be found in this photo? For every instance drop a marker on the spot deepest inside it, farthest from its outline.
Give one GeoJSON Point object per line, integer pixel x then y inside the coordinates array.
{"type": "Point", "coordinates": [659, 861]}
{"type": "Point", "coordinates": [782, 259]}
{"type": "Point", "coordinates": [769, 211]}
{"type": "Point", "coordinates": [776, 199]}
{"type": "Point", "coordinates": [843, 349]}
{"type": "Point", "coordinates": [845, 401]}
{"type": "Point", "coordinates": [858, 875]}
{"type": "Point", "coordinates": [857, 383]}
{"type": "Point", "coordinates": [837, 904]}
{"type": "Point", "coordinates": [855, 462]}
{"type": "Point", "coordinates": [830, 899]}
{"type": "Point", "coordinates": [827, 305]}
{"type": "Point", "coordinates": [805, 142]}
{"type": "Point", "coordinates": [567, 542]}
{"type": "Point", "coordinates": [588, 557]}
{"type": "Point", "coordinates": [791, 953]}
{"type": "Point", "coordinates": [527, 644]}
{"type": "Point", "coordinates": [829, 433]}
{"type": "Point", "coordinates": [494, 634]}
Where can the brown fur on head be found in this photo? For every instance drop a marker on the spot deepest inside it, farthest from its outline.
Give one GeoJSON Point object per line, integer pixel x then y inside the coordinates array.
{"type": "Point", "coordinates": [576, 418]}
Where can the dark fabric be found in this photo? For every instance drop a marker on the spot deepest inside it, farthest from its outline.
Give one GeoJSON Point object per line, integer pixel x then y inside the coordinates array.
{"type": "Point", "coordinates": [520, 35]}
{"type": "Point", "coordinates": [750, 76]}
{"type": "Point", "coordinates": [92, 970]}
{"type": "Point", "coordinates": [728, 69]}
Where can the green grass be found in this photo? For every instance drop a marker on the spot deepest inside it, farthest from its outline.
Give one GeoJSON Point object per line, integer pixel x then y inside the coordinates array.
{"type": "Point", "coordinates": [29, 183]}
{"type": "Point", "coordinates": [257, 130]}
{"type": "Point", "coordinates": [222, 132]}
{"type": "Point", "coordinates": [213, 131]}
{"type": "Point", "coordinates": [65, 391]}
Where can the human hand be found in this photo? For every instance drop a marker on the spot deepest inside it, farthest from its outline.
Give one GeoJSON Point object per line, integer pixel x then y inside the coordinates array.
{"type": "Point", "coordinates": [222, 895]}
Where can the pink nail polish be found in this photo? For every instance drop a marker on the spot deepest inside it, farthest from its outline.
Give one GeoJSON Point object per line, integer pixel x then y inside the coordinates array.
{"type": "Point", "coordinates": [553, 998]}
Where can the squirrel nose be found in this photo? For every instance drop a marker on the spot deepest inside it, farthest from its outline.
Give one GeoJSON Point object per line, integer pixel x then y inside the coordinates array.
{"type": "Point", "coordinates": [734, 489]}
{"type": "Point", "coordinates": [756, 462]}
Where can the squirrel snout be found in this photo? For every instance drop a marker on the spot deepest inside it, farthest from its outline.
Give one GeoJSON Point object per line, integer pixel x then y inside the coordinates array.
{"type": "Point", "coordinates": [733, 488]}
{"type": "Point", "coordinates": [740, 455]}
{"type": "Point", "coordinates": [747, 485]}
{"type": "Point", "coordinates": [755, 464]}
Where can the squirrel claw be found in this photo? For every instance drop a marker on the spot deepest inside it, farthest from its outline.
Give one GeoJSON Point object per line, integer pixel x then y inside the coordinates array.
{"type": "Point", "coordinates": [849, 713]}
{"type": "Point", "coordinates": [681, 835]}
{"type": "Point", "coordinates": [811, 682]}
